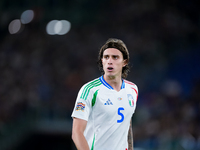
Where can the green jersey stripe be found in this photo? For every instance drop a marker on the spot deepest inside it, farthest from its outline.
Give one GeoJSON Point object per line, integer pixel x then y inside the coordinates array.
{"type": "Point", "coordinates": [84, 90]}
{"type": "Point", "coordinates": [93, 142]}
{"type": "Point", "coordinates": [88, 90]}
{"type": "Point", "coordinates": [92, 84]}
{"type": "Point", "coordinates": [88, 87]}
{"type": "Point", "coordinates": [94, 97]}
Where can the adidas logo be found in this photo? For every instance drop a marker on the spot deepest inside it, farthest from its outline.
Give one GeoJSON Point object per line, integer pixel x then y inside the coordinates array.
{"type": "Point", "coordinates": [108, 102]}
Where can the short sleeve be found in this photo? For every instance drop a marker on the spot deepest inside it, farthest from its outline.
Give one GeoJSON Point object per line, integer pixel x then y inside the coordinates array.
{"type": "Point", "coordinates": [83, 106]}
{"type": "Point", "coordinates": [135, 88]}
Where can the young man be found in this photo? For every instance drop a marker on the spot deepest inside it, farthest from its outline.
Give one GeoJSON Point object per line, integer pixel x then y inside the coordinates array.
{"type": "Point", "coordinates": [104, 107]}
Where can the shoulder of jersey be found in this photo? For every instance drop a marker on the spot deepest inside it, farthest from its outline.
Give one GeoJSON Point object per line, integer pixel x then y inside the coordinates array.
{"type": "Point", "coordinates": [132, 85]}
{"type": "Point", "coordinates": [86, 88]}
{"type": "Point", "coordinates": [93, 83]}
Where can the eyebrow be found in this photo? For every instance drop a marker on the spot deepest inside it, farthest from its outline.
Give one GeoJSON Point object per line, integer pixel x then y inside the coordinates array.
{"type": "Point", "coordinates": [109, 55]}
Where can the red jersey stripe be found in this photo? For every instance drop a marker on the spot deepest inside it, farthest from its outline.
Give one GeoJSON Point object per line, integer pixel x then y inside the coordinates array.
{"type": "Point", "coordinates": [135, 90]}
{"type": "Point", "coordinates": [129, 82]}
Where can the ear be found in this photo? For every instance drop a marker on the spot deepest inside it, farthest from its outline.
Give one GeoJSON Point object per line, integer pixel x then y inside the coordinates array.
{"type": "Point", "coordinates": [125, 62]}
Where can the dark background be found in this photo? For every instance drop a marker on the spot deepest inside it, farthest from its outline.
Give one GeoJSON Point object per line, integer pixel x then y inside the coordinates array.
{"type": "Point", "coordinates": [40, 74]}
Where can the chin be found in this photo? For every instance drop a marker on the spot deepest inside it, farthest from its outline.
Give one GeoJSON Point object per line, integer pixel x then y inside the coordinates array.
{"type": "Point", "coordinates": [110, 75]}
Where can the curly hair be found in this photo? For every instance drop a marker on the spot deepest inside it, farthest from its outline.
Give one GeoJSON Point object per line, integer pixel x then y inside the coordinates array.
{"type": "Point", "coordinates": [117, 44]}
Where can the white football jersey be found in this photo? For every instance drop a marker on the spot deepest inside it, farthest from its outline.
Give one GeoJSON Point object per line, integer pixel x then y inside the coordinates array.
{"type": "Point", "coordinates": [107, 112]}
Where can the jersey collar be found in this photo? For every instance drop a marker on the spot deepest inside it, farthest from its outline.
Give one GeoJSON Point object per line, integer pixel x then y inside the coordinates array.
{"type": "Point", "coordinates": [107, 85]}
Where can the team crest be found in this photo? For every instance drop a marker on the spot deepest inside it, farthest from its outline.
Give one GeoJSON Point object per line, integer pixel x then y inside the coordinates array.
{"type": "Point", "coordinates": [80, 106]}
{"type": "Point", "coordinates": [130, 100]}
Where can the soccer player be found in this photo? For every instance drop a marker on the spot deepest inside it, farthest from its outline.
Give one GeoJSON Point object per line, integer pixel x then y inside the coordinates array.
{"type": "Point", "coordinates": [104, 106]}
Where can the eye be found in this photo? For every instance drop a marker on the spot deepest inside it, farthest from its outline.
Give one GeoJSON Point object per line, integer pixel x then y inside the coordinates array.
{"type": "Point", "coordinates": [115, 57]}
{"type": "Point", "coordinates": [106, 56]}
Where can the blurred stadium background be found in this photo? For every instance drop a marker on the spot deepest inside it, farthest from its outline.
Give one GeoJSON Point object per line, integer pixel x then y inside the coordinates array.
{"type": "Point", "coordinates": [49, 48]}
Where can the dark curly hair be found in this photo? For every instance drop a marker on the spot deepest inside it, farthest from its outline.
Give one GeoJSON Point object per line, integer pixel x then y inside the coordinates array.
{"type": "Point", "coordinates": [118, 44]}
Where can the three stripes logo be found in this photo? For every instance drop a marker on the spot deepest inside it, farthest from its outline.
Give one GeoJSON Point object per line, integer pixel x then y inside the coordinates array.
{"type": "Point", "coordinates": [88, 87]}
{"type": "Point", "coordinates": [108, 102]}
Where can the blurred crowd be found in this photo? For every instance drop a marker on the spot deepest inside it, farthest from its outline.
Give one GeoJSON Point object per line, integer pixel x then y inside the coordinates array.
{"type": "Point", "coordinates": [43, 72]}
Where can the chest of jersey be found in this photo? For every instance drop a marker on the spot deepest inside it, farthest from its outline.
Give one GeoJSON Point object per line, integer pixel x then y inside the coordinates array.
{"type": "Point", "coordinates": [114, 107]}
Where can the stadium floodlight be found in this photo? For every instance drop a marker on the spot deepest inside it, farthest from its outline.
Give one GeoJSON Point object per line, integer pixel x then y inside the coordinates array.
{"type": "Point", "coordinates": [50, 27]}
{"type": "Point", "coordinates": [14, 26]}
{"type": "Point", "coordinates": [66, 26]}
{"type": "Point", "coordinates": [56, 27]}
{"type": "Point", "coordinates": [27, 16]}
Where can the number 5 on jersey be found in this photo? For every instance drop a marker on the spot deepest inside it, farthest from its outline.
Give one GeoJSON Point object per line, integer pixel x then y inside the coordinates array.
{"type": "Point", "coordinates": [119, 113]}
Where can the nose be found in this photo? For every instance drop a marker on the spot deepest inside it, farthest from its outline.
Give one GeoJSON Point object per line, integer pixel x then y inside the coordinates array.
{"type": "Point", "coordinates": [110, 60]}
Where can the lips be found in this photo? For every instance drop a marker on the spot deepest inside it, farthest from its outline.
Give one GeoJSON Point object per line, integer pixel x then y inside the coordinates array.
{"type": "Point", "coordinates": [110, 68]}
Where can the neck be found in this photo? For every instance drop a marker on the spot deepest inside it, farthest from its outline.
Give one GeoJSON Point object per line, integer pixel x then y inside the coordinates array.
{"type": "Point", "coordinates": [115, 82]}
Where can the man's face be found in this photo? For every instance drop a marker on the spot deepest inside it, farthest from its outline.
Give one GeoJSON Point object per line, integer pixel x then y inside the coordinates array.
{"type": "Point", "coordinates": [113, 62]}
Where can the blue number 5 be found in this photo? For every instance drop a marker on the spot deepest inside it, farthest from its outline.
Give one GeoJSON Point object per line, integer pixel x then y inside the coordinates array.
{"type": "Point", "coordinates": [119, 113]}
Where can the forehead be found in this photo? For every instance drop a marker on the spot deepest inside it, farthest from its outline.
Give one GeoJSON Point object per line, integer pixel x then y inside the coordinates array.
{"type": "Point", "coordinates": [112, 51]}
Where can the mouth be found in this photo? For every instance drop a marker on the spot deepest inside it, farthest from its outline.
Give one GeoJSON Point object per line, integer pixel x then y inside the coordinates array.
{"type": "Point", "coordinates": [110, 68]}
